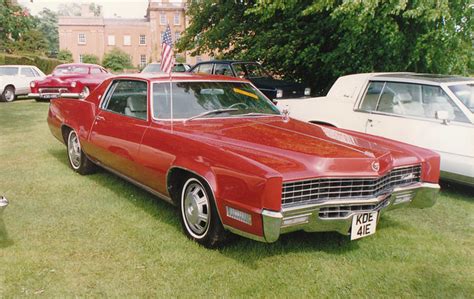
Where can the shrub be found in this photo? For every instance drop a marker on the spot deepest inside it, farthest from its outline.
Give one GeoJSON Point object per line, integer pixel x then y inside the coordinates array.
{"type": "Point", "coordinates": [65, 55]}
{"type": "Point", "coordinates": [117, 60]}
{"type": "Point", "coordinates": [43, 63]}
{"type": "Point", "coordinates": [90, 58]}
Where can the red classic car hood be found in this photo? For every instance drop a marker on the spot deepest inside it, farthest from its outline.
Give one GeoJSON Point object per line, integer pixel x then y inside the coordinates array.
{"type": "Point", "coordinates": [296, 149]}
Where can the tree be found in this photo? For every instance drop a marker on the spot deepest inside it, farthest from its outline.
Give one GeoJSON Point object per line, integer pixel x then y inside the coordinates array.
{"type": "Point", "coordinates": [318, 41]}
{"type": "Point", "coordinates": [65, 55]}
{"type": "Point", "coordinates": [90, 58]}
{"type": "Point", "coordinates": [69, 9]}
{"type": "Point", "coordinates": [116, 60]}
{"type": "Point", "coordinates": [31, 42]}
{"type": "Point", "coordinates": [48, 24]}
{"type": "Point", "coordinates": [14, 22]}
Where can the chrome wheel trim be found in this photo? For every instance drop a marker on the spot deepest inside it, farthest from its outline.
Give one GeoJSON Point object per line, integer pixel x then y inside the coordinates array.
{"type": "Point", "coordinates": [74, 150]}
{"type": "Point", "coordinates": [195, 208]}
{"type": "Point", "coordinates": [9, 94]}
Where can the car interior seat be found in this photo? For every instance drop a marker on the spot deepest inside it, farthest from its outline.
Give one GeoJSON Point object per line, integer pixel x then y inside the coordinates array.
{"type": "Point", "coordinates": [136, 106]}
{"type": "Point", "coordinates": [405, 105]}
{"type": "Point", "coordinates": [439, 103]}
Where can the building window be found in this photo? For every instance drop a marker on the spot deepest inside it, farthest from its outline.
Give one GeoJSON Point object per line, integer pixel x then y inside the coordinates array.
{"type": "Point", "coordinates": [81, 38]}
{"type": "Point", "coordinates": [81, 58]}
{"type": "Point", "coordinates": [163, 20]}
{"type": "Point", "coordinates": [142, 60]}
{"type": "Point", "coordinates": [127, 40]}
{"type": "Point", "coordinates": [177, 35]}
{"type": "Point", "coordinates": [142, 40]}
{"type": "Point", "coordinates": [111, 40]}
{"type": "Point", "coordinates": [177, 18]}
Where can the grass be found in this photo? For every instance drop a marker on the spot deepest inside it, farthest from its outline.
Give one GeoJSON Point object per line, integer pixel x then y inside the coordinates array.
{"type": "Point", "coordinates": [70, 235]}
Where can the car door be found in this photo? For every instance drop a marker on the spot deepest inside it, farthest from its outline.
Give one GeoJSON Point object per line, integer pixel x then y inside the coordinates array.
{"type": "Point", "coordinates": [119, 126]}
{"type": "Point", "coordinates": [408, 112]}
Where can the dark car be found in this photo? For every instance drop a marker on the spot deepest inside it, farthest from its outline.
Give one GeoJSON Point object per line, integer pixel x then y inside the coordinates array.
{"type": "Point", "coordinates": [155, 67]}
{"type": "Point", "coordinates": [255, 73]}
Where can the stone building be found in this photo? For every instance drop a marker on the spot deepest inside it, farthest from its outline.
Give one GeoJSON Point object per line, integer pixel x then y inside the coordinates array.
{"type": "Point", "coordinates": [140, 38]}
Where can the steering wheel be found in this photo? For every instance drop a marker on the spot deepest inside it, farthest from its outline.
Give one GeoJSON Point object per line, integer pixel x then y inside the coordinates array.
{"type": "Point", "coordinates": [238, 104]}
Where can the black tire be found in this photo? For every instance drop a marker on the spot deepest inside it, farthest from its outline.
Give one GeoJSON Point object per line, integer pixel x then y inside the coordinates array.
{"type": "Point", "coordinates": [78, 161]}
{"type": "Point", "coordinates": [210, 234]}
{"type": "Point", "coordinates": [8, 94]}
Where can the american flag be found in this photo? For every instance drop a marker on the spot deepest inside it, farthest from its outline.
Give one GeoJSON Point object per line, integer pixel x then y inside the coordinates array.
{"type": "Point", "coordinates": [167, 55]}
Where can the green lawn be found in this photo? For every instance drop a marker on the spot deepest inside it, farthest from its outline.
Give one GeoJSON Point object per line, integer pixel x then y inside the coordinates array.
{"type": "Point", "coordinates": [70, 235]}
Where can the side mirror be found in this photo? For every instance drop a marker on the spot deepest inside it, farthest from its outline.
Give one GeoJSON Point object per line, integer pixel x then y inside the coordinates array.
{"type": "Point", "coordinates": [443, 116]}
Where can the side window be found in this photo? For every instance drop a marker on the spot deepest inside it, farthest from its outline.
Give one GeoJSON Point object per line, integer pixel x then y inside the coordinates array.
{"type": "Point", "coordinates": [223, 69]}
{"type": "Point", "coordinates": [95, 70]}
{"type": "Point", "coordinates": [372, 96]}
{"type": "Point", "coordinates": [128, 97]}
{"type": "Point", "coordinates": [35, 72]}
{"type": "Point", "coordinates": [435, 99]}
{"type": "Point", "coordinates": [26, 71]}
{"type": "Point", "coordinates": [205, 68]}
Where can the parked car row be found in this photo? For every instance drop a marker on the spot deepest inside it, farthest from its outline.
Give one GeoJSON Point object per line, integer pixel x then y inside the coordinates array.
{"type": "Point", "coordinates": [15, 80]}
{"type": "Point", "coordinates": [222, 152]}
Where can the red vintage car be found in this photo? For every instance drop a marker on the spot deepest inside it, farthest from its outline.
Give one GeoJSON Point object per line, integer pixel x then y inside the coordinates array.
{"type": "Point", "coordinates": [72, 80]}
{"type": "Point", "coordinates": [218, 149]}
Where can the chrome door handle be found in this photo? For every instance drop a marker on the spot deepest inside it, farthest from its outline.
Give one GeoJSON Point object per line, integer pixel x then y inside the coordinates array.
{"type": "Point", "coordinates": [98, 117]}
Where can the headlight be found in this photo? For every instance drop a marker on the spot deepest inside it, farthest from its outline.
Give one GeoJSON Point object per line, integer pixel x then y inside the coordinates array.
{"type": "Point", "coordinates": [32, 84]}
{"type": "Point", "coordinates": [279, 93]}
{"type": "Point", "coordinates": [307, 91]}
{"type": "Point", "coordinates": [73, 84]}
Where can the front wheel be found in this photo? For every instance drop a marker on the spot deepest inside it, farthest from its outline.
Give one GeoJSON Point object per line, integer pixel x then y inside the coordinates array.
{"type": "Point", "coordinates": [199, 217]}
{"type": "Point", "coordinates": [8, 94]}
{"type": "Point", "coordinates": [76, 157]}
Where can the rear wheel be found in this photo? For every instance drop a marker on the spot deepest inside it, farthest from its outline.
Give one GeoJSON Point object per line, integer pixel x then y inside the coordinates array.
{"type": "Point", "coordinates": [8, 94]}
{"type": "Point", "coordinates": [199, 217]}
{"type": "Point", "coordinates": [76, 157]}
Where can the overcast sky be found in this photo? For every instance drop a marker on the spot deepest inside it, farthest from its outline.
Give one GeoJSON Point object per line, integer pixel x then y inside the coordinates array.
{"type": "Point", "coordinates": [110, 8]}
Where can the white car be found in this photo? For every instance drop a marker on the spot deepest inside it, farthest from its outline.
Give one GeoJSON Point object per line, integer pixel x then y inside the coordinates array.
{"type": "Point", "coordinates": [431, 111]}
{"type": "Point", "coordinates": [15, 80]}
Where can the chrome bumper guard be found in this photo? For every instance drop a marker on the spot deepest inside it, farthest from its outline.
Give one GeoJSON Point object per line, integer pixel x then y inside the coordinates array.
{"type": "Point", "coordinates": [308, 217]}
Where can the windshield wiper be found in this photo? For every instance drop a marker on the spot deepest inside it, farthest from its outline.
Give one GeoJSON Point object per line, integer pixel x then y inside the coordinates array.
{"type": "Point", "coordinates": [259, 114]}
{"type": "Point", "coordinates": [216, 111]}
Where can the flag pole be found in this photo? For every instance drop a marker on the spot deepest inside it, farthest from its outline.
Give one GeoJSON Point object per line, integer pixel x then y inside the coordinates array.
{"type": "Point", "coordinates": [171, 101]}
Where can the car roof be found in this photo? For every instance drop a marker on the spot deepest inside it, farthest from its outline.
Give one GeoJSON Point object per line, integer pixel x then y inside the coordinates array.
{"type": "Point", "coordinates": [421, 78]}
{"type": "Point", "coordinates": [17, 65]}
{"type": "Point", "coordinates": [226, 61]}
{"type": "Point", "coordinates": [180, 77]}
{"type": "Point", "coordinates": [79, 64]}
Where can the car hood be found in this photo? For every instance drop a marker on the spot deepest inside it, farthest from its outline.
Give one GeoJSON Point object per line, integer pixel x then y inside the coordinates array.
{"type": "Point", "coordinates": [58, 80]}
{"type": "Point", "coordinates": [298, 150]}
{"type": "Point", "coordinates": [270, 83]}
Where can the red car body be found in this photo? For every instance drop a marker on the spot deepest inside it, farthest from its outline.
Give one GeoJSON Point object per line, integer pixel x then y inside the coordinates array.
{"type": "Point", "coordinates": [249, 163]}
{"type": "Point", "coordinates": [77, 79]}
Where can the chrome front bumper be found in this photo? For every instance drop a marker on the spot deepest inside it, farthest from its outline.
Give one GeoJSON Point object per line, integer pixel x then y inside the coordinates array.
{"type": "Point", "coordinates": [48, 96]}
{"type": "Point", "coordinates": [420, 195]}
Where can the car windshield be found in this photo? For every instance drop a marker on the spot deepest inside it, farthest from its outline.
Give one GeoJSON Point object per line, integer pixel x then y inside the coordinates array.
{"type": "Point", "coordinates": [71, 70]}
{"type": "Point", "coordinates": [152, 68]}
{"type": "Point", "coordinates": [209, 99]}
{"type": "Point", "coordinates": [250, 70]}
{"type": "Point", "coordinates": [8, 71]}
{"type": "Point", "coordinates": [465, 93]}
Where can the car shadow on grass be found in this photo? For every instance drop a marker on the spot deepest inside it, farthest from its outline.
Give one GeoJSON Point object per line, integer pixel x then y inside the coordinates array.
{"type": "Point", "coordinates": [328, 242]}
{"type": "Point", "coordinates": [460, 192]}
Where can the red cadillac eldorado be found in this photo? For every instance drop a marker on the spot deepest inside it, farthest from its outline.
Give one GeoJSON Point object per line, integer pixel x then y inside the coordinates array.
{"type": "Point", "coordinates": [72, 80]}
{"type": "Point", "coordinates": [218, 149]}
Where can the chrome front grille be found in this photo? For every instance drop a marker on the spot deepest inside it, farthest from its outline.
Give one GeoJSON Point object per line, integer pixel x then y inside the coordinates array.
{"type": "Point", "coordinates": [314, 190]}
{"type": "Point", "coordinates": [53, 90]}
{"type": "Point", "coordinates": [343, 211]}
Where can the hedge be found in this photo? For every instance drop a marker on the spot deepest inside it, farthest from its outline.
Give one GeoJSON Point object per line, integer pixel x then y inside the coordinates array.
{"type": "Point", "coordinates": [43, 63]}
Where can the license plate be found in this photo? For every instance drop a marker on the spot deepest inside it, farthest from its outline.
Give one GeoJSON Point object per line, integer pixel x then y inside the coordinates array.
{"type": "Point", "coordinates": [363, 225]}
{"type": "Point", "coordinates": [49, 96]}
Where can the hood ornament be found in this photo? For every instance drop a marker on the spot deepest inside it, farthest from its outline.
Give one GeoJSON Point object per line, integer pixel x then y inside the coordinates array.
{"type": "Point", "coordinates": [286, 114]}
{"type": "Point", "coordinates": [375, 166]}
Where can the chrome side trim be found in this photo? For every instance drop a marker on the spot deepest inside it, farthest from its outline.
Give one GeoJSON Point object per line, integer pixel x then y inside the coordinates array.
{"type": "Point", "coordinates": [136, 183]}
{"type": "Point", "coordinates": [459, 178]}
